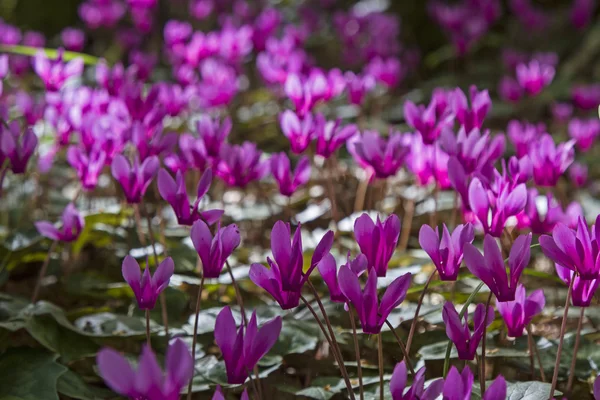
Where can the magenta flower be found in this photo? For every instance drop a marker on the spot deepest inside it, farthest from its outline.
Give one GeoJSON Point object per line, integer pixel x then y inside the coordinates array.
{"type": "Point", "coordinates": [429, 163]}
{"type": "Point", "coordinates": [98, 14]}
{"type": "Point", "coordinates": [541, 223]}
{"type": "Point", "coordinates": [241, 164]}
{"type": "Point", "coordinates": [473, 116]}
{"type": "Point", "coordinates": [550, 161]}
{"type": "Point", "coordinates": [88, 165]}
{"type": "Point", "coordinates": [55, 73]}
{"type": "Point", "coordinates": [387, 71]}
{"type": "Point", "coordinates": [72, 225]}
{"type": "Point", "coordinates": [175, 193]}
{"type": "Point", "coordinates": [287, 180]}
{"type": "Point", "coordinates": [561, 112]}
{"type": "Point", "coordinates": [447, 253]}
{"type": "Point", "coordinates": [578, 173]}
{"type": "Point", "coordinates": [575, 250]}
{"type": "Point", "coordinates": [73, 39]}
{"type": "Point", "coordinates": [300, 131]}
{"type": "Point", "coordinates": [214, 133]}
{"type": "Point", "coordinates": [459, 333]}
{"type": "Point", "coordinates": [584, 132]}
{"type": "Point", "coordinates": [372, 312]}
{"type": "Point", "coordinates": [146, 287]}
{"type": "Point", "coordinates": [358, 86]}
{"type": "Point", "coordinates": [218, 395]}
{"type": "Point", "coordinates": [517, 314]}
{"type": "Point", "coordinates": [331, 135]}
{"type": "Point", "coordinates": [417, 390]}
{"type": "Point", "coordinates": [509, 89]}
{"type": "Point", "coordinates": [214, 251]}
{"type": "Point", "coordinates": [583, 289]}
{"type": "Point", "coordinates": [473, 150]}
{"type": "Point", "coordinates": [328, 270]}
{"type": "Point", "coordinates": [285, 278]}
{"type": "Point", "coordinates": [17, 146]}
{"type": "Point", "coordinates": [582, 12]}
{"type": "Point", "coordinates": [384, 157]}
{"type": "Point", "coordinates": [377, 240]}
{"type": "Point", "coordinates": [523, 135]}
{"type": "Point", "coordinates": [305, 93]}
{"type": "Point", "coordinates": [134, 178]}
{"type": "Point", "coordinates": [193, 152]}
{"type": "Point", "coordinates": [177, 32]}
{"type": "Point", "coordinates": [148, 381]}
{"type": "Point", "coordinates": [459, 386]}
{"type": "Point", "coordinates": [533, 77]}
{"type": "Point", "coordinates": [426, 121]}
{"type": "Point", "coordinates": [152, 141]}
{"type": "Point", "coordinates": [490, 267]}
{"type": "Point", "coordinates": [243, 350]}
{"type": "Point", "coordinates": [586, 97]}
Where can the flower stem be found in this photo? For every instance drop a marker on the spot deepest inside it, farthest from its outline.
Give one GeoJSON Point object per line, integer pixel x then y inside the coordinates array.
{"type": "Point", "coordinates": [575, 349]}
{"type": "Point", "coordinates": [148, 328]}
{"type": "Point", "coordinates": [413, 326]}
{"type": "Point", "coordinates": [483, 340]}
{"type": "Point", "coordinates": [195, 335]}
{"type": "Point", "coordinates": [361, 192]}
{"type": "Point", "coordinates": [357, 351]}
{"type": "Point", "coordinates": [333, 349]}
{"type": "Point", "coordinates": [461, 314]}
{"type": "Point", "coordinates": [380, 353]}
{"type": "Point", "coordinates": [238, 294]}
{"type": "Point", "coordinates": [537, 353]}
{"type": "Point", "coordinates": [402, 348]}
{"type": "Point", "coordinates": [409, 213]}
{"type": "Point", "coordinates": [331, 189]}
{"type": "Point", "coordinates": [38, 285]}
{"type": "Point", "coordinates": [531, 355]}
{"type": "Point", "coordinates": [561, 339]}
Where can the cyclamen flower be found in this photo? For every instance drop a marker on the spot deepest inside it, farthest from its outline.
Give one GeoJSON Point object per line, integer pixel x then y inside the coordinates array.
{"type": "Point", "coordinates": [328, 270]}
{"type": "Point", "coordinates": [562, 111]}
{"type": "Point", "coordinates": [417, 390]}
{"type": "Point", "coordinates": [509, 89]}
{"type": "Point", "coordinates": [584, 132]}
{"type": "Point", "coordinates": [17, 146]}
{"type": "Point", "coordinates": [134, 178]}
{"type": "Point", "coordinates": [523, 135]}
{"type": "Point", "coordinates": [459, 386]}
{"type": "Point", "coordinates": [240, 164]}
{"type": "Point", "coordinates": [425, 120]}
{"type": "Point", "coordinates": [300, 131]}
{"type": "Point", "coordinates": [73, 39]}
{"type": "Point", "coordinates": [214, 133]}
{"type": "Point", "coordinates": [218, 395]}
{"type": "Point", "coordinates": [550, 161]}
{"type": "Point", "coordinates": [175, 193]}
{"type": "Point", "coordinates": [214, 251]}
{"type": "Point", "coordinates": [578, 174]}
{"type": "Point", "coordinates": [72, 225]}
{"type": "Point", "coordinates": [459, 333]}
{"type": "Point", "coordinates": [285, 279]}
{"type": "Point", "coordinates": [357, 86]}
{"type": "Point", "coordinates": [148, 381]}
{"type": "Point", "coordinates": [539, 222]}
{"type": "Point", "coordinates": [474, 150]}
{"type": "Point", "coordinates": [306, 93]}
{"type": "Point", "coordinates": [288, 180]}
{"type": "Point", "coordinates": [473, 116]}
{"type": "Point", "coordinates": [518, 314]}
{"type": "Point", "coordinates": [331, 135]}
{"type": "Point", "coordinates": [242, 349]}
{"type": "Point", "coordinates": [146, 287]}
{"type": "Point", "coordinates": [447, 253]}
{"type": "Point", "coordinates": [388, 71]}
{"type": "Point", "coordinates": [533, 77]}
{"type": "Point", "coordinates": [384, 157]}
{"type": "Point", "coordinates": [55, 73]}
{"type": "Point", "coordinates": [575, 250]}
{"type": "Point", "coordinates": [429, 163]}
{"type": "Point", "coordinates": [583, 289]}
{"type": "Point", "coordinates": [372, 312]}
{"type": "Point", "coordinates": [88, 165]}
{"type": "Point", "coordinates": [193, 152]}
{"type": "Point", "coordinates": [377, 240]}
{"type": "Point", "coordinates": [490, 268]}
{"type": "Point", "coordinates": [582, 12]}
{"type": "Point", "coordinates": [586, 97]}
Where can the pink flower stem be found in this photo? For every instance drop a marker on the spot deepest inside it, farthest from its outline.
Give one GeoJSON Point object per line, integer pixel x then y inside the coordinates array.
{"type": "Point", "coordinates": [575, 349]}
{"type": "Point", "coordinates": [148, 328]}
{"type": "Point", "coordinates": [537, 354]}
{"type": "Point", "coordinates": [483, 341]}
{"type": "Point", "coordinates": [357, 351]}
{"type": "Point", "coordinates": [413, 326]}
{"type": "Point", "coordinates": [380, 357]}
{"type": "Point", "coordinates": [561, 339]}
{"type": "Point", "coordinates": [402, 347]}
{"type": "Point", "coordinates": [195, 335]}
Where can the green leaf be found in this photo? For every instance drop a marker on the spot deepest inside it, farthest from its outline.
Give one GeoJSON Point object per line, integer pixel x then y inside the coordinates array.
{"type": "Point", "coordinates": [316, 393]}
{"type": "Point", "coordinates": [529, 391]}
{"type": "Point", "coordinates": [72, 385]}
{"type": "Point", "coordinates": [29, 374]}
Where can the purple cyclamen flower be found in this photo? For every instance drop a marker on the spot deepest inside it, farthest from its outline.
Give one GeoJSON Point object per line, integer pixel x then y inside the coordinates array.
{"type": "Point", "coordinates": [176, 32]}
{"type": "Point", "coordinates": [489, 267]}
{"type": "Point", "coordinates": [358, 86]}
{"type": "Point", "coordinates": [576, 250]}
{"type": "Point", "coordinates": [584, 132]}
{"type": "Point", "coordinates": [17, 146]}
{"type": "Point", "coordinates": [331, 135]}
{"type": "Point", "coordinates": [3, 69]}
{"type": "Point", "coordinates": [148, 381]}
{"type": "Point", "coordinates": [388, 71]}
{"type": "Point", "coordinates": [218, 395]}
{"type": "Point", "coordinates": [417, 390]}
{"type": "Point", "coordinates": [285, 278]}
{"type": "Point", "coordinates": [474, 150]}
{"type": "Point", "coordinates": [473, 116]}
{"type": "Point", "coordinates": [517, 314]}
{"type": "Point", "coordinates": [175, 193]}
{"type": "Point", "coordinates": [134, 178]}
{"type": "Point", "coordinates": [523, 135]}
{"type": "Point", "coordinates": [383, 156]}
{"type": "Point", "coordinates": [214, 132]}
{"type": "Point", "coordinates": [459, 333]}
{"type": "Point", "coordinates": [578, 173]}
{"type": "Point", "coordinates": [509, 89]}
{"type": "Point", "coordinates": [152, 141]}
{"type": "Point", "coordinates": [586, 97]}
{"type": "Point", "coordinates": [214, 251]}
{"type": "Point", "coordinates": [582, 12]}
{"type": "Point", "coordinates": [328, 270]}
{"type": "Point", "coordinates": [533, 77]}
{"type": "Point", "coordinates": [426, 121]}
{"type": "Point", "coordinates": [447, 253]}
{"type": "Point", "coordinates": [88, 165]}
{"type": "Point", "coordinates": [287, 180]}
{"type": "Point", "coordinates": [459, 386]}
{"type": "Point", "coordinates": [377, 240]}
{"type": "Point", "coordinates": [550, 161]}
{"type": "Point", "coordinates": [562, 111]}
{"type": "Point", "coordinates": [55, 73]}
{"type": "Point", "coordinates": [541, 222]}
{"type": "Point", "coordinates": [305, 93]}
{"type": "Point", "coordinates": [241, 164]}
{"type": "Point", "coordinates": [72, 225]}
{"type": "Point", "coordinates": [193, 152]}
{"type": "Point", "coordinates": [73, 39]}
{"type": "Point", "coordinates": [299, 131]}
{"type": "Point", "coordinates": [371, 311]}
{"type": "Point", "coordinates": [242, 349]}
{"type": "Point", "coordinates": [493, 206]}
{"type": "Point", "coordinates": [146, 287]}
{"type": "Point", "coordinates": [583, 289]}
{"type": "Point", "coordinates": [429, 163]}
